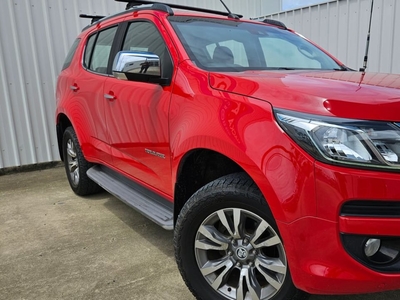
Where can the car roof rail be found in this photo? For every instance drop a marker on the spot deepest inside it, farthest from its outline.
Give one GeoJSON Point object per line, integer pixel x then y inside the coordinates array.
{"type": "Point", "coordinates": [275, 22]}
{"type": "Point", "coordinates": [167, 8]}
{"type": "Point", "coordinates": [94, 18]}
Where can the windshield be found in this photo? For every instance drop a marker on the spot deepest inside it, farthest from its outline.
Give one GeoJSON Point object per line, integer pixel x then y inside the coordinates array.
{"type": "Point", "coordinates": [229, 45]}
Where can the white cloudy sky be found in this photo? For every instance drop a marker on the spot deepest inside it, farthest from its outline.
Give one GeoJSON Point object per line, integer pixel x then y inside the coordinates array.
{"type": "Point", "coordinates": [290, 4]}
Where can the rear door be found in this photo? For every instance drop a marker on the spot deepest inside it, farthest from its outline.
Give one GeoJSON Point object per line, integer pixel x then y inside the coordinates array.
{"type": "Point", "coordinates": [137, 115]}
{"type": "Point", "coordinates": [88, 86]}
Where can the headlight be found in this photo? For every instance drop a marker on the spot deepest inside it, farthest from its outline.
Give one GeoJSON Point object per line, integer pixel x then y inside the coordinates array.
{"type": "Point", "coordinates": [344, 141]}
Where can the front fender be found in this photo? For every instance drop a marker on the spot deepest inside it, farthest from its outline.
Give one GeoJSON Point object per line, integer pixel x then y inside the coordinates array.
{"type": "Point", "coordinates": [244, 130]}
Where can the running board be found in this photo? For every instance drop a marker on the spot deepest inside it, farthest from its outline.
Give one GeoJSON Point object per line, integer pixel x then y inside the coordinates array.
{"type": "Point", "coordinates": [148, 203]}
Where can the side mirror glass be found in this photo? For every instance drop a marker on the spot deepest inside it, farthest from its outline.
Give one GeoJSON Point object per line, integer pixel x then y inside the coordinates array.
{"type": "Point", "coordinates": [139, 66]}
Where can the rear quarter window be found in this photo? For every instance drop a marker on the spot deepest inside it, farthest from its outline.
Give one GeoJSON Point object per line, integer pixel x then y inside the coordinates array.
{"type": "Point", "coordinates": [71, 54]}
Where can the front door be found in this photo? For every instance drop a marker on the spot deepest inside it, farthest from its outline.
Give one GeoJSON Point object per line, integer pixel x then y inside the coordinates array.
{"type": "Point", "coordinates": [137, 117]}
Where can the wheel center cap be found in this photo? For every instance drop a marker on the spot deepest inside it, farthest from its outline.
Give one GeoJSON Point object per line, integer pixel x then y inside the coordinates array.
{"type": "Point", "coordinates": [242, 253]}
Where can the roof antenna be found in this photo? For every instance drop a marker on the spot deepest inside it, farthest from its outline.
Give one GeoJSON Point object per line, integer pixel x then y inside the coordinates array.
{"type": "Point", "coordinates": [368, 40]}
{"type": "Point", "coordinates": [231, 15]}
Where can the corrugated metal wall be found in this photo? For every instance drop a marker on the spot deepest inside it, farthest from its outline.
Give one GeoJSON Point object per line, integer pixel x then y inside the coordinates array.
{"type": "Point", "coordinates": [341, 28]}
{"type": "Point", "coordinates": [35, 36]}
{"type": "Point", "coordinates": [34, 39]}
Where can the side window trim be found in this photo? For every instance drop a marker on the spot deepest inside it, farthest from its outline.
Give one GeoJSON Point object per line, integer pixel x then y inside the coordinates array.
{"type": "Point", "coordinates": [117, 44]}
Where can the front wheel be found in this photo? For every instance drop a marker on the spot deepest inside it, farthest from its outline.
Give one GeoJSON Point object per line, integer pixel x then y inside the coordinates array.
{"type": "Point", "coordinates": [227, 244]}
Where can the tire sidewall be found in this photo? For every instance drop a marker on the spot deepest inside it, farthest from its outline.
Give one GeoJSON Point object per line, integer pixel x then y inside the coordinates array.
{"type": "Point", "coordinates": [69, 134]}
{"type": "Point", "coordinates": [199, 207]}
{"type": "Point", "coordinates": [85, 185]}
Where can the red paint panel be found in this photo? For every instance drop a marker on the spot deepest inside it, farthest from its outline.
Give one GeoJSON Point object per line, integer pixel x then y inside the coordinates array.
{"type": "Point", "coordinates": [320, 265]}
{"type": "Point", "coordinates": [370, 226]}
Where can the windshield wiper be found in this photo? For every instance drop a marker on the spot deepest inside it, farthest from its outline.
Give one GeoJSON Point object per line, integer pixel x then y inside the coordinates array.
{"type": "Point", "coordinates": [280, 68]}
{"type": "Point", "coordinates": [343, 68]}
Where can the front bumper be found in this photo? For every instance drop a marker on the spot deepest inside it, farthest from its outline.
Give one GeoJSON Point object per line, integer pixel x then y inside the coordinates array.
{"type": "Point", "coordinates": [319, 264]}
{"type": "Point", "coordinates": [318, 260]}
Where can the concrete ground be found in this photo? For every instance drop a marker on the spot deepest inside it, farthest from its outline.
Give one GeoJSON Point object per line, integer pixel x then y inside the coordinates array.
{"type": "Point", "coordinates": [56, 245]}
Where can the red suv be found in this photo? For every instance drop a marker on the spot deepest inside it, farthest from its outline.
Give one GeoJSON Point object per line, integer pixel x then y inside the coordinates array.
{"type": "Point", "coordinates": [276, 165]}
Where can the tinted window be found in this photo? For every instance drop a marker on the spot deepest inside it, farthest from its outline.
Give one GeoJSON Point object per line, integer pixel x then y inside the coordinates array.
{"type": "Point", "coordinates": [230, 45]}
{"type": "Point", "coordinates": [144, 36]}
{"type": "Point", "coordinates": [236, 48]}
{"type": "Point", "coordinates": [102, 49]}
{"type": "Point", "coordinates": [89, 50]}
{"type": "Point", "coordinates": [71, 54]}
{"type": "Point", "coordinates": [280, 53]}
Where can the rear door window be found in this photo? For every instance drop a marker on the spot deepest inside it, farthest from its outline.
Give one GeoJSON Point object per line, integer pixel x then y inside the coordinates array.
{"type": "Point", "coordinates": [100, 57]}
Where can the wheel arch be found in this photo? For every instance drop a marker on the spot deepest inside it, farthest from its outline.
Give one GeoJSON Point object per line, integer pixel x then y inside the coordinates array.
{"type": "Point", "coordinates": [63, 123]}
{"type": "Point", "coordinates": [196, 169]}
{"type": "Point", "coordinates": [200, 166]}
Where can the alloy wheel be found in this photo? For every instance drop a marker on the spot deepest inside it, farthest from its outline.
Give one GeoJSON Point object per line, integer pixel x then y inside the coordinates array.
{"type": "Point", "coordinates": [240, 255]}
{"type": "Point", "coordinates": [73, 164]}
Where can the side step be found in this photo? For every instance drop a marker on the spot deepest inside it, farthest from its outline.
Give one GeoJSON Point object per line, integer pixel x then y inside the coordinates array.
{"type": "Point", "coordinates": [148, 203]}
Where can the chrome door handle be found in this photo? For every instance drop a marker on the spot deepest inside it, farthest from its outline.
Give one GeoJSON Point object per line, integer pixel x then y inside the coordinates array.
{"type": "Point", "coordinates": [74, 87]}
{"type": "Point", "coordinates": [109, 97]}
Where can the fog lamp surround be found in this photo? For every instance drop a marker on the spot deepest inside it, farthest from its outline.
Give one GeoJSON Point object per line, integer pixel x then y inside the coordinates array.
{"type": "Point", "coordinates": [378, 253]}
{"type": "Point", "coordinates": [371, 247]}
{"type": "Point", "coordinates": [369, 144]}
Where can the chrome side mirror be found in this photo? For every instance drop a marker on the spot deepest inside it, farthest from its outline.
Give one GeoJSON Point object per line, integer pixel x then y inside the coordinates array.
{"type": "Point", "coordinates": [135, 65]}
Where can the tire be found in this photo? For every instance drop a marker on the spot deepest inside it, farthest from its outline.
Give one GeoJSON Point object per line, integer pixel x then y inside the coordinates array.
{"type": "Point", "coordinates": [76, 165]}
{"type": "Point", "coordinates": [227, 244]}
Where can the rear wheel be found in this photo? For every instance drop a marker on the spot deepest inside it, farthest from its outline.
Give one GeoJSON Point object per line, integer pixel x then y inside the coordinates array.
{"type": "Point", "coordinates": [227, 244]}
{"type": "Point", "coordinates": [76, 165]}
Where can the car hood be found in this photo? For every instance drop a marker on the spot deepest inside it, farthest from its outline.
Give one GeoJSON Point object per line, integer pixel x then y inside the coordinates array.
{"type": "Point", "coordinates": [370, 96]}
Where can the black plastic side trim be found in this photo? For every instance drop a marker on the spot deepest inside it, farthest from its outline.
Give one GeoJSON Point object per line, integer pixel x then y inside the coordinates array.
{"type": "Point", "coordinates": [364, 208]}
{"type": "Point", "coordinates": [117, 44]}
{"type": "Point", "coordinates": [59, 140]}
{"type": "Point", "coordinates": [148, 203]}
